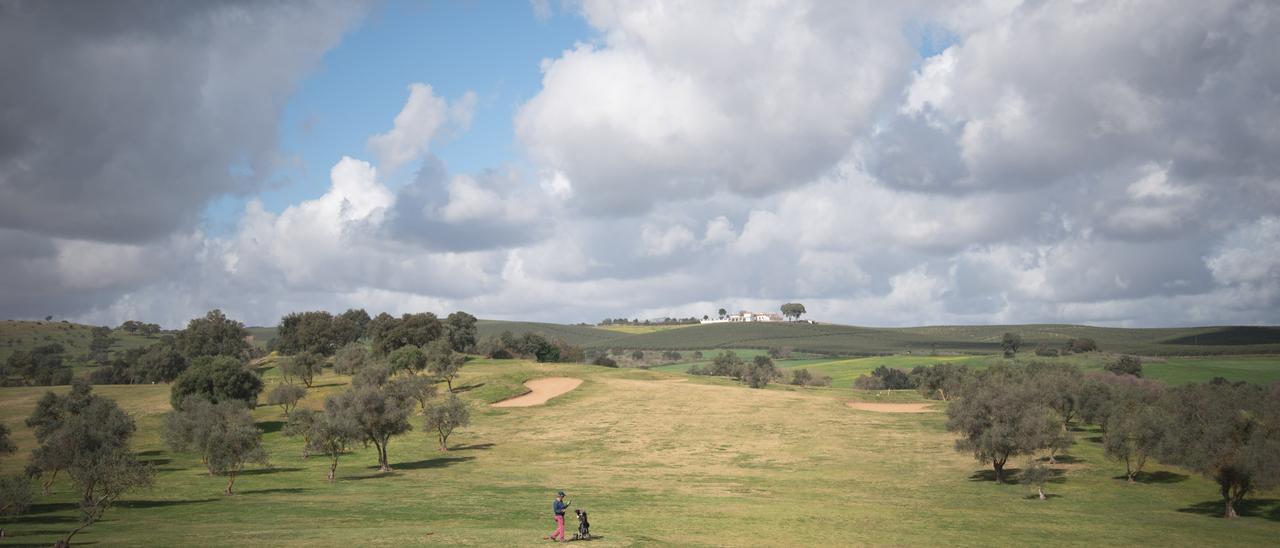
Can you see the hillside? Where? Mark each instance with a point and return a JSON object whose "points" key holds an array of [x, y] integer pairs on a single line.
{"points": [[854, 341], [572, 334], [26, 335]]}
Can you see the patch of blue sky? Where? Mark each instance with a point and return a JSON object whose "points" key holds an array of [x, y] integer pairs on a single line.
{"points": [[491, 48]]}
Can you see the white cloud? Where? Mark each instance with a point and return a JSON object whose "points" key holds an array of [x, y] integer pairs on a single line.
{"points": [[422, 119]]}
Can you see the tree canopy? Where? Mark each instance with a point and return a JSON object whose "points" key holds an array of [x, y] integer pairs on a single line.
{"points": [[217, 379], [213, 335]]}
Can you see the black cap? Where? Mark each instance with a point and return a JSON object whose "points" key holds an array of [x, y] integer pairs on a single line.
{"points": [[560, 494]]}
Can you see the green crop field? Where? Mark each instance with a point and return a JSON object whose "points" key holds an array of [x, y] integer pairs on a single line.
{"points": [[657, 458], [74, 337]]}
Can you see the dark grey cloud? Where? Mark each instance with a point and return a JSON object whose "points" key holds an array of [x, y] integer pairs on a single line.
{"points": [[119, 121]]}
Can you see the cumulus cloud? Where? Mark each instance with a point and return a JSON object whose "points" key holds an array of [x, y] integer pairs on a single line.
{"points": [[1084, 162], [423, 117]]}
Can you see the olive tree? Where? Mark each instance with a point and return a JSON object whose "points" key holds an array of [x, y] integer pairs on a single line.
{"points": [[445, 416], [1010, 343], [1227, 433], [443, 362], [87, 437], [999, 417], [15, 490], [330, 433], [377, 412], [1037, 474], [304, 365], [223, 434], [286, 396], [350, 359]]}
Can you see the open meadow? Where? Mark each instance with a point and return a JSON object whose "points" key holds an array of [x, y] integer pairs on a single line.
{"points": [[656, 458]]}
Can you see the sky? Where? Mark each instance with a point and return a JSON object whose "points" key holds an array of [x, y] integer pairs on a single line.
{"points": [[883, 163]]}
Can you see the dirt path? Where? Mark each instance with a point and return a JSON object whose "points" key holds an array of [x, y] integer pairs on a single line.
{"points": [[892, 407], [541, 390]]}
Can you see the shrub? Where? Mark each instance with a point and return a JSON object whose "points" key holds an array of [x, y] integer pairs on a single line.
{"points": [[216, 378], [1043, 349], [606, 361], [1126, 365]]}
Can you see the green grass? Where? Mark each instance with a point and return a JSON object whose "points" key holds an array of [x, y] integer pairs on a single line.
{"points": [[635, 329], [657, 459], [26, 335]]}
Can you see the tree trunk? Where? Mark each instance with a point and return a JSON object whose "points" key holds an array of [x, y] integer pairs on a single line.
{"points": [[1231, 510], [1040, 489], [443, 438], [999, 466], [383, 466], [449, 381], [231, 481], [333, 468]]}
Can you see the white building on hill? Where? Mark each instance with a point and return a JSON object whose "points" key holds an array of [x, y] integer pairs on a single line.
{"points": [[745, 316]]}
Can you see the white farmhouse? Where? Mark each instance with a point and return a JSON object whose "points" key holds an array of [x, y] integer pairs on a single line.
{"points": [[745, 316]]}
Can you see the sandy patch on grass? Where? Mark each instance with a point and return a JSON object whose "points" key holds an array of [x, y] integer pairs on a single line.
{"points": [[891, 407], [541, 390]]}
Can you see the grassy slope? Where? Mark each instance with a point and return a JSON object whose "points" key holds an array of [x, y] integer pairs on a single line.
{"points": [[637, 329], [25, 335], [656, 458], [851, 340], [573, 334]]}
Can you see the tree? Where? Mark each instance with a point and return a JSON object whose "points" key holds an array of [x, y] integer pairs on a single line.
{"points": [[411, 359], [885, 378], [213, 335], [1132, 436], [460, 329], [1229, 433], [1010, 343], [940, 380], [1059, 386], [222, 433], [1037, 474], [637, 355], [801, 377], [446, 416], [410, 329], [302, 422], [377, 413], [443, 362], [87, 436], [723, 313], [605, 361], [286, 396], [1000, 417], [1126, 365], [305, 365], [793, 310], [42, 366], [1075, 346], [313, 331], [759, 372], [15, 491], [216, 378], [414, 388], [332, 433], [350, 358], [160, 363]]}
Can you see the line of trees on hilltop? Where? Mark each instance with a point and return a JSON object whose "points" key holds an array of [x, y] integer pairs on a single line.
{"points": [[1227, 432]]}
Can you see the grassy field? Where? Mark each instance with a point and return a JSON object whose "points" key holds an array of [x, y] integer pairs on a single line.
{"points": [[846, 340], [573, 334], [657, 458], [74, 337]]}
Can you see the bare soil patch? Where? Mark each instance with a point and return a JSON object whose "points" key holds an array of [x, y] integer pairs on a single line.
{"points": [[541, 390], [892, 407]]}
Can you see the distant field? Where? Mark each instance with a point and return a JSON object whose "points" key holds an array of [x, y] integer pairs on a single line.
{"points": [[572, 334], [262, 336], [842, 340], [26, 335], [657, 459], [636, 329]]}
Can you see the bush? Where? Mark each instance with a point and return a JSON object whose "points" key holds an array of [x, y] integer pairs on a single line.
{"points": [[1081, 345], [1126, 365], [606, 361], [1043, 349], [885, 378], [801, 377]]}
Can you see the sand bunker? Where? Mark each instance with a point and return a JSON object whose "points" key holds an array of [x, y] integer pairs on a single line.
{"points": [[892, 407], [541, 390]]}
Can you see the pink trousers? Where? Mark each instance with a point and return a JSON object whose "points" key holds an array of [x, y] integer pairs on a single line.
{"points": [[559, 528]]}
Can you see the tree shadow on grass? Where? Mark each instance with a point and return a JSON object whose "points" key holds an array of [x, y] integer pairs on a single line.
{"points": [[1155, 477], [151, 453], [278, 490], [1094, 439], [377, 475], [270, 427], [328, 384], [1047, 496], [144, 504], [1247, 508], [474, 446], [265, 471], [1010, 475], [438, 462], [1064, 459], [467, 388]]}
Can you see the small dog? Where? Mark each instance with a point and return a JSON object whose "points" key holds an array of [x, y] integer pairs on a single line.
{"points": [[584, 526]]}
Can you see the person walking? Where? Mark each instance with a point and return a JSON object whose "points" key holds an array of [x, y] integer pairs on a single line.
{"points": [[559, 506]]}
